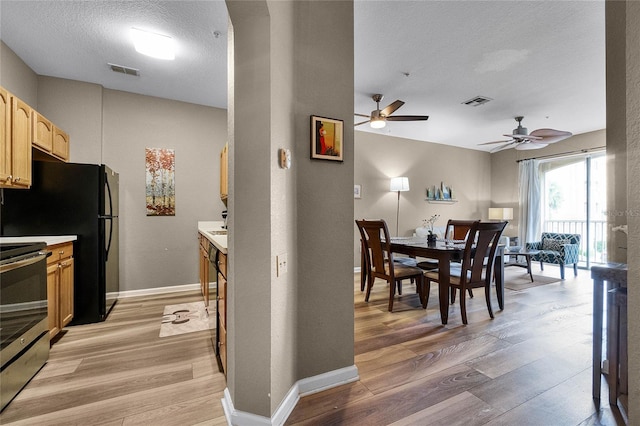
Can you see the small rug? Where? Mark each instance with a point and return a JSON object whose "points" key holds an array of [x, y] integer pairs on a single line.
{"points": [[187, 318], [522, 282]]}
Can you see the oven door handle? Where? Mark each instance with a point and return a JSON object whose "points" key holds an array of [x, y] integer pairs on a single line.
{"points": [[25, 262]]}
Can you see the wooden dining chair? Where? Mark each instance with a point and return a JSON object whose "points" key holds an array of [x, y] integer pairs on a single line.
{"points": [[477, 264], [379, 260]]}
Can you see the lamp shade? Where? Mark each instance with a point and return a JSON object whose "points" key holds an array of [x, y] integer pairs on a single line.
{"points": [[399, 184], [500, 213], [377, 123]]}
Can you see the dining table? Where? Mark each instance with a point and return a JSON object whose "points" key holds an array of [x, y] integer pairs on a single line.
{"points": [[445, 252]]}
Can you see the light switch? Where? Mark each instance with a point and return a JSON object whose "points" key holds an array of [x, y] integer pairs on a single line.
{"points": [[281, 264]]}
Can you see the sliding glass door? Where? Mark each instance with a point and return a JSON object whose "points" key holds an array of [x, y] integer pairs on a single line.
{"points": [[574, 201]]}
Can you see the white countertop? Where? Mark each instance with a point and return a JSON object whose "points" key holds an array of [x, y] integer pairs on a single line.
{"points": [[49, 239], [215, 233]]}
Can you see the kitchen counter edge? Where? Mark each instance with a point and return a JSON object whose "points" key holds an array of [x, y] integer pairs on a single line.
{"points": [[50, 240]]}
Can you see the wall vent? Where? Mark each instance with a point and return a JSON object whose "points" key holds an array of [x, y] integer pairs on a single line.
{"points": [[477, 101], [124, 70]]}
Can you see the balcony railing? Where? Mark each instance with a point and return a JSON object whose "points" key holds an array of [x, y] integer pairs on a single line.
{"points": [[597, 234]]}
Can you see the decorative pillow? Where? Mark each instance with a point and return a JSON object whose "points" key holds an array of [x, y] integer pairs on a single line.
{"points": [[554, 245]]}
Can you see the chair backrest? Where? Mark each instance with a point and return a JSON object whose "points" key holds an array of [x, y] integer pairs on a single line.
{"points": [[375, 236], [480, 250], [560, 238], [458, 229]]}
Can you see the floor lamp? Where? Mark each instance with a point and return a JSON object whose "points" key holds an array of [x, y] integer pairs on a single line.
{"points": [[398, 184]]}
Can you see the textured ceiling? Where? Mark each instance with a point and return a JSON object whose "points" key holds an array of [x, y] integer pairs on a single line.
{"points": [[541, 59]]}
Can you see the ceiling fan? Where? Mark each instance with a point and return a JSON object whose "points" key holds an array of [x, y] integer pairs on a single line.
{"points": [[378, 118], [521, 140]]}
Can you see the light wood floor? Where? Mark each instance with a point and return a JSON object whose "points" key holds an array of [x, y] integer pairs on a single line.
{"points": [[531, 365]]}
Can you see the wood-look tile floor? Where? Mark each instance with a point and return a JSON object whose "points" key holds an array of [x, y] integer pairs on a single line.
{"points": [[120, 372], [531, 365]]}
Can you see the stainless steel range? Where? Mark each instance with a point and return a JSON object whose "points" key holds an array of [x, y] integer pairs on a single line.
{"points": [[24, 333]]}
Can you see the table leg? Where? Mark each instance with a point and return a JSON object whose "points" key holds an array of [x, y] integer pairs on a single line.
{"points": [[443, 287], [612, 347], [597, 337], [528, 257], [498, 266]]}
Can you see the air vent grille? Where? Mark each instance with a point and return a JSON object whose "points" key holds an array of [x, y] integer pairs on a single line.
{"points": [[477, 101], [124, 70]]}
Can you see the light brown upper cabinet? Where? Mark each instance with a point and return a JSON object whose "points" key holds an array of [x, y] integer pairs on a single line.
{"points": [[15, 142], [42, 132], [60, 144], [49, 138]]}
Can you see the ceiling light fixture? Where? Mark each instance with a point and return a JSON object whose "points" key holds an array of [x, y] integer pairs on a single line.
{"points": [[152, 44], [378, 123]]}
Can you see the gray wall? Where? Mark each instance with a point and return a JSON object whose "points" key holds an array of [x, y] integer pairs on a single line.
{"points": [[282, 329], [160, 251], [381, 157], [623, 167], [17, 77]]}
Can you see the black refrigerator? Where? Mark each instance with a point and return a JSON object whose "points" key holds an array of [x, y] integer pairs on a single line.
{"points": [[73, 199]]}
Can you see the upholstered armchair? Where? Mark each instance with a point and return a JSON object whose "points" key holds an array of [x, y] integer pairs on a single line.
{"points": [[559, 249]]}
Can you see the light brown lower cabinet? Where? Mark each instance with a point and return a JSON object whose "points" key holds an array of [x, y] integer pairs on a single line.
{"points": [[60, 286], [222, 312]]}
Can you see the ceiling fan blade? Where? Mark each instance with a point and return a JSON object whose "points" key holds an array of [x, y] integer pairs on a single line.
{"points": [[407, 118], [551, 136], [524, 137], [362, 122], [506, 146], [389, 109], [489, 143], [361, 115]]}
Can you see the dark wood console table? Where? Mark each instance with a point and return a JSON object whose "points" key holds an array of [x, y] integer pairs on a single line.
{"points": [[606, 277]]}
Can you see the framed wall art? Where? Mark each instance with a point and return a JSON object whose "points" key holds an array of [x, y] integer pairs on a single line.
{"points": [[327, 138], [160, 182]]}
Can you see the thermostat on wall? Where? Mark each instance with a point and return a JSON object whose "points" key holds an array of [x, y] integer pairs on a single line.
{"points": [[285, 158]]}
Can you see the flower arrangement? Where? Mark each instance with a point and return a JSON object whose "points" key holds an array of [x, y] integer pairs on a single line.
{"points": [[430, 222]]}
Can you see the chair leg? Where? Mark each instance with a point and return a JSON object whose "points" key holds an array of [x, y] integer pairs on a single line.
{"points": [[370, 280], [575, 269], [541, 267], [470, 291], [399, 284], [392, 293], [562, 271], [487, 296], [463, 305]]}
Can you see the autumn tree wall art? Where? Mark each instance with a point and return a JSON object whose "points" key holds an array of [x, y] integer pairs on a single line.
{"points": [[160, 182]]}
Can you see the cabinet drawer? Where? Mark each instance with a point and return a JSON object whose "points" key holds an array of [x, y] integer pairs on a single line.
{"points": [[59, 252]]}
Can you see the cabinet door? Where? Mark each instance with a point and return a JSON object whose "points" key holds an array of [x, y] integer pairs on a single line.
{"points": [[52, 299], [66, 291], [5, 137], [21, 143], [60, 144], [42, 130]]}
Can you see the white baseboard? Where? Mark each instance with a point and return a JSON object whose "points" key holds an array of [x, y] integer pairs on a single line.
{"points": [[303, 387], [162, 290]]}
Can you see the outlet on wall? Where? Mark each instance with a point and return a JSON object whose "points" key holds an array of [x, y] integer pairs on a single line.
{"points": [[281, 264]]}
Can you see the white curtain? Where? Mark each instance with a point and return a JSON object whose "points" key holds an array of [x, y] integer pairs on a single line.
{"points": [[530, 198]]}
